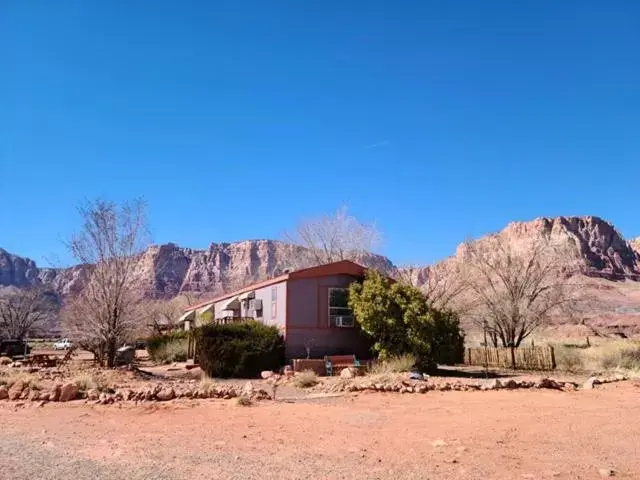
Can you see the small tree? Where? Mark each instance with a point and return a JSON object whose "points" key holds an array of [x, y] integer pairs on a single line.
{"points": [[331, 238], [106, 312], [398, 318], [516, 286], [162, 315], [23, 311]]}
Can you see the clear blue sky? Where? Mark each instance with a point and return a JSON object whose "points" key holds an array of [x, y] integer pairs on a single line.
{"points": [[438, 120]]}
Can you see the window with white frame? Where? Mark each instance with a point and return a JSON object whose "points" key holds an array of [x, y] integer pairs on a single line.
{"points": [[340, 315]]}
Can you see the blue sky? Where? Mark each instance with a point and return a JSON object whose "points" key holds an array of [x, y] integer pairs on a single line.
{"points": [[437, 120]]}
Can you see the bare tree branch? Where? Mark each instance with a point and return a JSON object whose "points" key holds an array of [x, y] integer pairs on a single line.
{"points": [[443, 284], [515, 286], [23, 312], [105, 313], [331, 238]]}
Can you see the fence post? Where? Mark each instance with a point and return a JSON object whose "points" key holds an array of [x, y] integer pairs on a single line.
{"points": [[553, 358]]}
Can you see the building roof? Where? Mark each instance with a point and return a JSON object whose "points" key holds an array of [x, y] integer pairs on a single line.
{"points": [[343, 267]]}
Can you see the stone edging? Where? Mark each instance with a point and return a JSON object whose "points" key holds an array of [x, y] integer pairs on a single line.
{"points": [[407, 386]]}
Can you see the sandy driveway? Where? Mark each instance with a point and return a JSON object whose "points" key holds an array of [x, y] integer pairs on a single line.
{"points": [[447, 435]]}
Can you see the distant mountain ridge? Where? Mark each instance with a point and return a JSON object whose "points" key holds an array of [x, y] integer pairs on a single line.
{"points": [[164, 271]]}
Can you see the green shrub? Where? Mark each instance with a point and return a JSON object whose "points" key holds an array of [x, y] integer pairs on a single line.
{"points": [[447, 339], [399, 319], [239, 350], [171, 347]]}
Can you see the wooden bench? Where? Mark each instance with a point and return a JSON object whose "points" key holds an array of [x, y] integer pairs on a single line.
{"points": [[335, 363]]}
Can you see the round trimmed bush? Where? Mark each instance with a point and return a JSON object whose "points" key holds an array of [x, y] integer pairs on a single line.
{"points": [[239, 350]]}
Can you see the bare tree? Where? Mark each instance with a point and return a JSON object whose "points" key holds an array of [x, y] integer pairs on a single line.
{"points": [[163, 314], [443, 283], [24, 311], [331, 238], [410, 274], [105, 313], [516, 287]]}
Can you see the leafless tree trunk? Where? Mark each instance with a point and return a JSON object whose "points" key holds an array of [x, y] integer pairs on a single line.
{"points": [[104, 314], [23, 311], [331, 238], [517, 286]]}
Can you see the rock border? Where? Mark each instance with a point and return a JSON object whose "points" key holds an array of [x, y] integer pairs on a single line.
{"points": [[407, 386], [66, 392], [158, 393]]}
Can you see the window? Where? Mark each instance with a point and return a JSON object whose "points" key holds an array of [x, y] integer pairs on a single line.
{"points": [[340, 314], [274, 302]]}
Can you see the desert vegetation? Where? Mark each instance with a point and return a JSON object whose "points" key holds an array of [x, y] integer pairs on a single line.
{"points": [[608, 355], [169, 347], [392, 365], [515, 287], [24, 311], [30, 380], [105, 314], [240, 350], [305, 379], [331, 238], [400, 321]]}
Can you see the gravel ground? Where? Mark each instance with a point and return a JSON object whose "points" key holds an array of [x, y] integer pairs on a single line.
{"points": [[25, 459], [440, 435]]}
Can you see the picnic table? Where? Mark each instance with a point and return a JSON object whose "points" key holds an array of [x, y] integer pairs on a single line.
{"points": [[46, 360], [41, 360]]}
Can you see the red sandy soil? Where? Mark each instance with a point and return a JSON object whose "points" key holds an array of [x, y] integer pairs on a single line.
{"points": [[536, 434]]}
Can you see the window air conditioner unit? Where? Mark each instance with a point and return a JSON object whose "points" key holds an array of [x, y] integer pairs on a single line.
{"points": [[257, 305], [344, 321]]}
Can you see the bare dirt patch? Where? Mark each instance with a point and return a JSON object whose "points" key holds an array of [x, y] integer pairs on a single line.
{"points": [[441, 435]]}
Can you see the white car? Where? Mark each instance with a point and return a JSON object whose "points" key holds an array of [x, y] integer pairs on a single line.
{"points": [[63, 344]]}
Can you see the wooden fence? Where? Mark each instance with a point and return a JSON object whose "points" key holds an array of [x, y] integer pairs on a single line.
{"points": [[528, 358]]}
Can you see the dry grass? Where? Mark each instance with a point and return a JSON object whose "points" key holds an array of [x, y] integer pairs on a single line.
{"points": [[400, 364], [31, 380], [305, 379], [207, 383], [175, 351], [86, 382], [244, 401], [5, 361], [569, 359], [606, 356], [619, 355]]}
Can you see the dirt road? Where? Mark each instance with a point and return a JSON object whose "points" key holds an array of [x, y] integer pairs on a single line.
{"points": [[448, 435]]}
